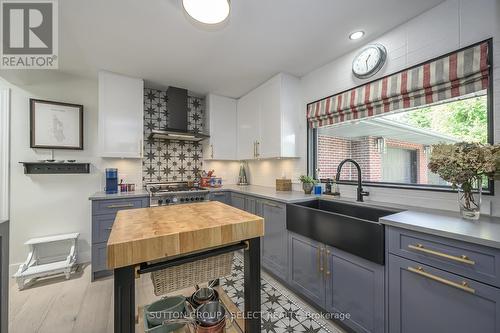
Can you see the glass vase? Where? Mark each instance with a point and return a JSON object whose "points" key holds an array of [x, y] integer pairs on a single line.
{"points": [[469, 199]]}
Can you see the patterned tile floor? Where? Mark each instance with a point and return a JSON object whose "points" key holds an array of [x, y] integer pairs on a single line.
{"points": [[282, 310]]}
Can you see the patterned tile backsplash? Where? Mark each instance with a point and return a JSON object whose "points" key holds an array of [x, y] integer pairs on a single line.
{"points": [[169, 160]]}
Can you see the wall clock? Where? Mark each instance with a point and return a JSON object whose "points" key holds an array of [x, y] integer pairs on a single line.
{"points": [[369, 61]]}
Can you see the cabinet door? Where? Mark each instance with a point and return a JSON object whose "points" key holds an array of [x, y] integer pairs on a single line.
{"points": [[427, 299], [222, 125], [355, 286], [275, 240], [120, 115], [238, 201], [248, 125], [306, 274], [270, 123], [251, 205]]}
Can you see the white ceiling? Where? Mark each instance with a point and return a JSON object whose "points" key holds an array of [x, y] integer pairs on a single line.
{"points": [[153, 40]]}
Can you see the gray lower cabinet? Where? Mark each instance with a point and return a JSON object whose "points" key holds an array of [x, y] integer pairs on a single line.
{"points": [[274, 244], [355, 289], [238, 201], [423, 298], [103, 216], [275, 240], [345, 285], [306, 274], [224, 197]]}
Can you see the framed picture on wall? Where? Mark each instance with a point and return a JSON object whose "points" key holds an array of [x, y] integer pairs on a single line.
{"points": [[56, 125]]}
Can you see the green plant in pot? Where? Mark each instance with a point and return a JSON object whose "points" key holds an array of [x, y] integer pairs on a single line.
{"points": [[465, 166], [307, 183]]}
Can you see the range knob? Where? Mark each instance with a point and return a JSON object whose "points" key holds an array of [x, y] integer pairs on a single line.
{"points": [[192, 199], [160, 202], [197, 199], [167, 201], [182, 199]]}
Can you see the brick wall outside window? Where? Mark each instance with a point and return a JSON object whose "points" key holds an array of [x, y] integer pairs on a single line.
{"points": [[332, 150]]}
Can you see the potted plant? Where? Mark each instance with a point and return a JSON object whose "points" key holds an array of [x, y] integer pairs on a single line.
{"points": [[465, 166], [307, 183]]}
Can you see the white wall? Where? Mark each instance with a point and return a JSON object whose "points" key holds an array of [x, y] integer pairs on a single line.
{"points": [[53, 204], [452, 25], [445, 28]]}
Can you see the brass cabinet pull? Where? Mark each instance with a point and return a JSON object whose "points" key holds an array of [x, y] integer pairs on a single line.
{"points": [[218, 194], [462, 286], [108, 229], [327, 257], [272, 205], [257, 149], [320, 261], [120, 206], [212, 151], [463, 259]]}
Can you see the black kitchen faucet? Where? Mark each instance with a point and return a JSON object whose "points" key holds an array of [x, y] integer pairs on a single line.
{"points": [[360, 192]]}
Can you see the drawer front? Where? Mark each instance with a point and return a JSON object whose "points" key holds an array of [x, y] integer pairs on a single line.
{"points": [[223, 197], [101, 227], [100, 207], [425, 299], [470, 260], [99, 257]]}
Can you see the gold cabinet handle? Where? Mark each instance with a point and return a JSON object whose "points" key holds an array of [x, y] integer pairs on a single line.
{"points": [[327, 257], [462, 259], [120, 206], [272, 205], [257, 149], [462, 286], [212, 146], [320, 261]]}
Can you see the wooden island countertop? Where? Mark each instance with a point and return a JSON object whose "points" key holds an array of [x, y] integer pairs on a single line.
{"points": [[148, 234]]}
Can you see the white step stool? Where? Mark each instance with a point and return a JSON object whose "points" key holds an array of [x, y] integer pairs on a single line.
{"points": [[36, 267]]}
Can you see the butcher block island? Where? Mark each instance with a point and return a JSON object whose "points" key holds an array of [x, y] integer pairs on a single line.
{"points": [[145, 240]]}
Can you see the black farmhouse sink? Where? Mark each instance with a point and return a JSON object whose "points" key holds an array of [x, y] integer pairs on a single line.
{"points": [[353, 228]]}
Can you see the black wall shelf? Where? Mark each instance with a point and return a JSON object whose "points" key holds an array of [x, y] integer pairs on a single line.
{"points": [[55, 167]]}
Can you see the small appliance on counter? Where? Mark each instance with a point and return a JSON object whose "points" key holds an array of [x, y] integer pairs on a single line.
{"points": [[111, 181], [242, 178]]}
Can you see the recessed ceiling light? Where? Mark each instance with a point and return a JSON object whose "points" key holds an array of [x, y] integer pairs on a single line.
{"points": [[207, 11], [356, 35]]}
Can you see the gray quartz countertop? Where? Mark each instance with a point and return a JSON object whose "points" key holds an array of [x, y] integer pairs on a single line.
{"points": [[267, 193], [120, 195], [485, 231]]}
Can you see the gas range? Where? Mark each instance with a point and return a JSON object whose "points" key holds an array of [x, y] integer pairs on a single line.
{"points": [[172, 193]]}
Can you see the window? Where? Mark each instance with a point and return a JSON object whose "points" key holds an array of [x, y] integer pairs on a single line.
{"points": [[393, 150]]}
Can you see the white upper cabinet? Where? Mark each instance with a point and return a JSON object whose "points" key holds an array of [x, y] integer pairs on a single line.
{"points": [[268, 119], [121, 109], [248, 125], [221, 125]]}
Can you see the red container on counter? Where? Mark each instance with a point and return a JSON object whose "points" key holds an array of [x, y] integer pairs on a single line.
{"points": [[205, 182]]}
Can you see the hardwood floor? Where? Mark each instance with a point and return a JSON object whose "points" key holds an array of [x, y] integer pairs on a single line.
{"points": [[57, 305], [62, 306]]}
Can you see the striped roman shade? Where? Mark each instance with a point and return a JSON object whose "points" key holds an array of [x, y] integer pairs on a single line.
{"points": [[457, 74]]}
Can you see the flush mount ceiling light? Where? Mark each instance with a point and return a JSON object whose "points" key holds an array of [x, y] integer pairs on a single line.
{"points": [[207, 11], [356, 35]]}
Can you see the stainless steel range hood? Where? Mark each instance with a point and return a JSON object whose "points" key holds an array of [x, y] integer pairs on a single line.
{"points": [[177, 119]]}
